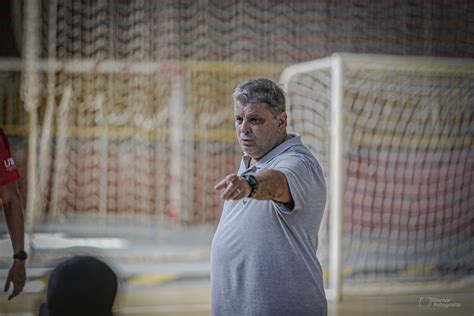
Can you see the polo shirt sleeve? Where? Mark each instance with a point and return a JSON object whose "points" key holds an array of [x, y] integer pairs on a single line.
{"points": [[8, 170], [305, 180]]}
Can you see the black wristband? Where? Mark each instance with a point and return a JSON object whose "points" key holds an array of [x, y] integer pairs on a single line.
{"points": [[252, 181], [21, 255]]}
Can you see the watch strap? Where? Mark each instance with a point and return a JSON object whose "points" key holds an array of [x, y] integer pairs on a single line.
{"points": [[20, 255], [253, 182]]}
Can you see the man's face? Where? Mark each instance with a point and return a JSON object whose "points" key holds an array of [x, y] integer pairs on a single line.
{"points": [[257, 130]]}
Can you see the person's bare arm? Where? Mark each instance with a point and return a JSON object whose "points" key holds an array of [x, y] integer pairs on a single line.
{"points": [[272, 185], [14, 217]]}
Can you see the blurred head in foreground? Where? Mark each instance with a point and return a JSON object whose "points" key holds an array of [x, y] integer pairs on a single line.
{"points": [[81, 285]]}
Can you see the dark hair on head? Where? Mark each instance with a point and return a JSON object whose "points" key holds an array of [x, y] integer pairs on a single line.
{"points": [[261, 90], [82, 285]]}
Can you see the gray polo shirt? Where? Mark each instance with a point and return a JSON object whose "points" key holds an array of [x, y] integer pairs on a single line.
{"points": [[263, 254]]}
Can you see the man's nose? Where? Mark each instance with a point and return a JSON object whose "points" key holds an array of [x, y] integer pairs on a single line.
{"points": [[245, 126]]}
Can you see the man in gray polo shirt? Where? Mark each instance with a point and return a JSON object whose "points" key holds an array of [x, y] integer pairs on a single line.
{"points": [[263, 254]]}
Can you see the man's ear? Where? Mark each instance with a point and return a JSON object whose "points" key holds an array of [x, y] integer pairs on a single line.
{"points": [[282, 118]]}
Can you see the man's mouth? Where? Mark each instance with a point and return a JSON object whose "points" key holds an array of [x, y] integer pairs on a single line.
{"points": [[245, 141]]}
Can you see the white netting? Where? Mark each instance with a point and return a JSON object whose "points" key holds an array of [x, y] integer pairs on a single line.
{"points": [[409, 163], [120, 137], [124, 128]]}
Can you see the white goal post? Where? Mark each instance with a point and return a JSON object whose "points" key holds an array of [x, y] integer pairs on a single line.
{"points": [[394, 133]]}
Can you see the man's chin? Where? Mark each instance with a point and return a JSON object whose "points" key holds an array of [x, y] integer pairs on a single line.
{"points": [[246, 151], [249, 151], [251, 154]]}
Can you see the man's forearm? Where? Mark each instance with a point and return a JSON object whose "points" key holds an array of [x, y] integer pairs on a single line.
{"points": [[272, 185], [14, 218]]}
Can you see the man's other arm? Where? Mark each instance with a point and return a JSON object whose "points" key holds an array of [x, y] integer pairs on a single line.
{"points": [[15, 222]]}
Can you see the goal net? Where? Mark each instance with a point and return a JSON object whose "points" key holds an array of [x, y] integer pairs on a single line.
{"points": [[132, 138], [123, 120], [395, 137]]}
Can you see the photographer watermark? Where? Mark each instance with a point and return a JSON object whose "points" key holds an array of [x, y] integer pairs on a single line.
{"points": [[439, 303]]}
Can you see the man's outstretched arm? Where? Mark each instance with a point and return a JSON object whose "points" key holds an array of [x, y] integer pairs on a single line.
{"points": [[272, 185]]}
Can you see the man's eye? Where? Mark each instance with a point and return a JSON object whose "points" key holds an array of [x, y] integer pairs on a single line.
{"points": [[238, 120], [255, 121]]}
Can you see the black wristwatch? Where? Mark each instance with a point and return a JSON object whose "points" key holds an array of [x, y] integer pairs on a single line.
{"points": [[21, 255], [252, 181]]}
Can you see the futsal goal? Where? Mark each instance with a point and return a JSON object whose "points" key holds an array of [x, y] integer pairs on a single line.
{"points": [[395, 137]]}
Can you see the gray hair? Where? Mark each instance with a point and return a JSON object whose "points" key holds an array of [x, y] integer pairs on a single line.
{"points": [[261, 90]]}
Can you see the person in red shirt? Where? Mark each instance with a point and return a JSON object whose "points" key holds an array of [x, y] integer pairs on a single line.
{"points": [[10, 201]]}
